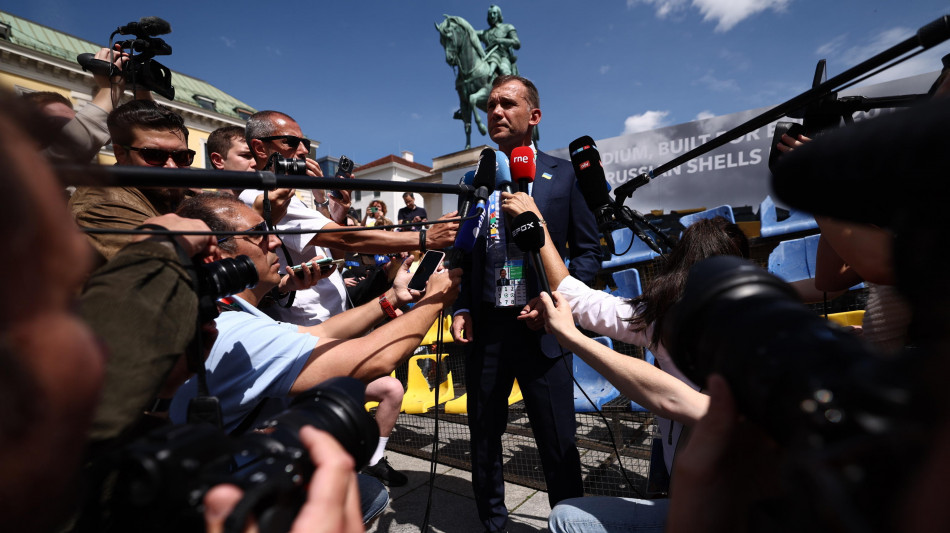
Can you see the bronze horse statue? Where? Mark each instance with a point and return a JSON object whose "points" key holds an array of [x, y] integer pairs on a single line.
{"points": [[474, 75]]}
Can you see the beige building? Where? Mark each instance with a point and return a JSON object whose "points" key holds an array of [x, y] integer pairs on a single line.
{"points": [[37, 58], [396, 169]]}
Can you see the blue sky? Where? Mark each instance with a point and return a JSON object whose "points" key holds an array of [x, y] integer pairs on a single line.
{"points": [[368, 79]]}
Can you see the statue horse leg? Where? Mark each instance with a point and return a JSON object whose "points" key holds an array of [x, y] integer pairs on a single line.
{"points": [[476, 101], [465, 115]]}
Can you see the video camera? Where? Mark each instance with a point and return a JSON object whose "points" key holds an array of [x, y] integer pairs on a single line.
{"points": [[141, 69], [162, 478]]}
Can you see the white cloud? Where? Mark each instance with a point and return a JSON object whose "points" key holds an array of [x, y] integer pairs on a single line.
{"points": [[228, 42], [604, 69], [415, 116], [726, 13], [705, 114], [647, 121]]}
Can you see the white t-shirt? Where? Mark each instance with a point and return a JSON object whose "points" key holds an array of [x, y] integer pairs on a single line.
{"points": [[325, 299]]}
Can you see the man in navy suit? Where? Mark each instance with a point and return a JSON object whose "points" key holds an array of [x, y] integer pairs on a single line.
{"points": [[503, 348]]}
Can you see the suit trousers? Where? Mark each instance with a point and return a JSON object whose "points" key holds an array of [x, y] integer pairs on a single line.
{"points": [[505, 349]]}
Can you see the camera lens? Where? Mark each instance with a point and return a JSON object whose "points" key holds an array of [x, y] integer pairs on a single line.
{"points": [[227, 276]]}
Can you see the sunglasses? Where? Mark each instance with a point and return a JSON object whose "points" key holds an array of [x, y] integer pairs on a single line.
{"points": [[253, 239], [292, 141], [157, 156]]}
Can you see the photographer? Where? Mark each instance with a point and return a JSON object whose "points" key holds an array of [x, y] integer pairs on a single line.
{"points": [[256, 363], [376, 214]]}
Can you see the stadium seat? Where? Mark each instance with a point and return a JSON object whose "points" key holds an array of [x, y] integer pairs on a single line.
{"points": [[772, 226], [724, 211], [638, 250], [628, 283], [432, 335], [420, 396], [596, 386], [459, 406]]}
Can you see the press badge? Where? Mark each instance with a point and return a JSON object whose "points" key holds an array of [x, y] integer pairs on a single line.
{"points": [[510, 288]]}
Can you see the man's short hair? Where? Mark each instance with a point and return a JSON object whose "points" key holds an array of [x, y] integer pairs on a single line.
{"points": [[144, 114], [408, 195], [261, 124], [41, 99], [216, 209], [533, 99], [219, 142]]}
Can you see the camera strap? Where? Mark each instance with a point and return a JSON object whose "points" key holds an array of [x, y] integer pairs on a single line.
{"points": [[271, 226]]}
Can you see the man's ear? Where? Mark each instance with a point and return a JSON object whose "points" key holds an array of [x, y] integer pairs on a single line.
{"points": [[217, 161], [216, 255], [535, 117], [121, 154], [258, 150]]}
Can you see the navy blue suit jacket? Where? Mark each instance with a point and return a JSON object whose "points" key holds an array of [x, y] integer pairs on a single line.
{"points": [[569, 222]]}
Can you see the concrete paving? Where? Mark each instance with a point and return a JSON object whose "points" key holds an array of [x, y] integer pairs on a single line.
{"points": [[453, 502]]}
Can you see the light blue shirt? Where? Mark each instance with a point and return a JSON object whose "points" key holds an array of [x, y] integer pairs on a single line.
{"points": [[254, 358]]}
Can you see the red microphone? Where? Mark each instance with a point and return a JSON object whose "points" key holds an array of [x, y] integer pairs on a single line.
{"points": [[522, 167]]}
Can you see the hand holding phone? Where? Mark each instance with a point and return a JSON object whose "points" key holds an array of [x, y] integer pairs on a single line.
{"points": [[430, 262]]}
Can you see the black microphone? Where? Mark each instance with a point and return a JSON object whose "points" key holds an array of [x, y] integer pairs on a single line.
{"points": [[146, 26], [591, 181], [528, 235], [484, 182]]}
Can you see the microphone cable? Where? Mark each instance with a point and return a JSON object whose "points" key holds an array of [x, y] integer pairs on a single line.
{"points": [[434, 460]]}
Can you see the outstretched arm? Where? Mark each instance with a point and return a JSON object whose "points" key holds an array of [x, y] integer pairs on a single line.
{"points": [[638, 380]]}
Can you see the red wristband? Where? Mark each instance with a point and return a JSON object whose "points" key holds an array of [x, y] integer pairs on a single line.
{"points": [[387, 307]]}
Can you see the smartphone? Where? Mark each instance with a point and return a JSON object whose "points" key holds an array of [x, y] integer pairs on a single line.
{"points": [[324, 265], [430, 262]]}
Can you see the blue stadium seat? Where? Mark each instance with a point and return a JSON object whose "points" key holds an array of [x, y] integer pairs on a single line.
{"points": [[596, 386], [637, 253], [724, 211], [794, 260], [771, 226], [628, 283]]}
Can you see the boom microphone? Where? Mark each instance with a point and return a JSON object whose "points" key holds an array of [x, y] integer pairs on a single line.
{"points": [[149, 26], [502, 173], [528, 235], [523, 167]]}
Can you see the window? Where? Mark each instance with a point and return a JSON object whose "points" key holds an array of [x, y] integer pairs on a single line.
{"points": [[359, 195], [243, 113], [377, 194], [4, 31], [205, 103]]}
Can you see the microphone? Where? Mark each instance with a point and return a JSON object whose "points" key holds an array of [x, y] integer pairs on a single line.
{"points": [[591, 180], [589, 170], [483, 180], [502, 173], [523, 167], [149, 26], [528, 235], [465, 200]]}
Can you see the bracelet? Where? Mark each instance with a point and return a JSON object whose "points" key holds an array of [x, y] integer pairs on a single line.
{"points": [[422, 240], [387, 307]]}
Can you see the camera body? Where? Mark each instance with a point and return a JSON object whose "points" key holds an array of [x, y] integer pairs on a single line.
{"points": [[162, 478], [344, 170], [141, 69]]}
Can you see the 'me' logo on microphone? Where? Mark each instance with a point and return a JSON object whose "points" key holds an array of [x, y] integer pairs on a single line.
{"points": [[520, 159], [515, 232]]}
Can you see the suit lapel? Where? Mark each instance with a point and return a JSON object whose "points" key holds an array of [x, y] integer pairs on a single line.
{"points": [[541, 189]]}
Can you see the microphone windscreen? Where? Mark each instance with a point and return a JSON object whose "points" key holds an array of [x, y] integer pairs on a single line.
{"points": [[527, 232], [466, 199], [522, 163], [502, 172], [589, 172], [154, 26], [485, 171], [468, 231]]}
